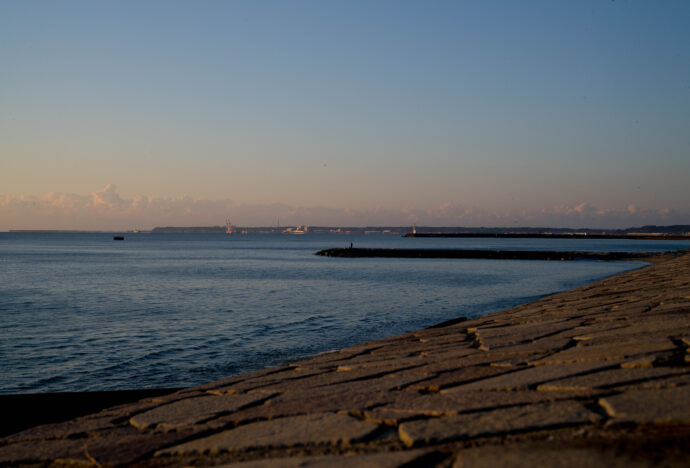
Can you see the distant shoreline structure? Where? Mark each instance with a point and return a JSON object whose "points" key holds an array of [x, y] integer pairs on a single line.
{"points": [[494, 254], [653, 232], [548, 235]]}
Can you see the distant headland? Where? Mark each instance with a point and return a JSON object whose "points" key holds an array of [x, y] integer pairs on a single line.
{"points": [[678, 231]]}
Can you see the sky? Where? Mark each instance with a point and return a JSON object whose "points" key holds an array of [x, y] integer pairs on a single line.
{"points": [[124, 114]]}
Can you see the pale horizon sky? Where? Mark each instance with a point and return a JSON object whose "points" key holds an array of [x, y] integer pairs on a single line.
{"points": [[125, 114]]}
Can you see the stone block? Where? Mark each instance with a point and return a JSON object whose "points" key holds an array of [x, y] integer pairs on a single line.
{"points": [[679, 380], [554, 457], [34, 451], [320, 428], [612, 378], [126, 445], [295, 374], [662, 406], [608, 352], [444, 404], [530, 377], [185, 413], [386, 364], [456, 352], [376, 460], [501, 358], [386, 416], [76, 428], [456, 377], [334, 379], [501, 421], [303, 402], [522, 333], [120, 446]]}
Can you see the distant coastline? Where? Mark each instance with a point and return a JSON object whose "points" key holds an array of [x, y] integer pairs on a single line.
{"points": [[674, 232]]}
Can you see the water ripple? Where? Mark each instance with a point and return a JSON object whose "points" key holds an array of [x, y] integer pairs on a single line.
{"points": [[79, 313]]}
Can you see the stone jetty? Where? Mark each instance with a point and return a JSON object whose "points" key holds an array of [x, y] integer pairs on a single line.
{"points": [[485, 254], [596, 376]]}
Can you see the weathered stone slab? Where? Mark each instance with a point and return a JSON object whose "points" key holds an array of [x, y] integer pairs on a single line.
{"points": [[80, 427], [555, 457], [635, 328], [413, 348], [386, 416], [124, 410], [303, 402], [441, 336], [668, 382], [387, 382], [670, 405], [184, 413], [282, 379], [170, 397], [495, 358], [259, 374], [320, 428], [608, 352], [274, 382], [522, 333], [387, 364], [457, 377], [117, 447], [629, 339], [640, 362], [500, 421], [444, 404], [334, 378], [126, 445], [673, 305], [543, 347], [455, 352], [613, 378], [25, 452], [376, 460], [530, 377]]}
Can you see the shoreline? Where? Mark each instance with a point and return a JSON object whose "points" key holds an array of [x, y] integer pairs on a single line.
{"points": [[56, 407], [598, 368]]}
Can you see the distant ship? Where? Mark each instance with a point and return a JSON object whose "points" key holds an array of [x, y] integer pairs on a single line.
{"points": [[229, 228], [298, 230]]}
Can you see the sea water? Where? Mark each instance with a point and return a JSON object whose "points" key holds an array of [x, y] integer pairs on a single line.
{"points": [[84, 312]]}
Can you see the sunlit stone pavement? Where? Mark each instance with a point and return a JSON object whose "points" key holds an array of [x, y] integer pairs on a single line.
{"points": [[596, 376]]}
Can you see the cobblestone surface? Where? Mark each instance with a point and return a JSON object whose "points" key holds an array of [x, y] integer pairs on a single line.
{"points": [[596, 376]]}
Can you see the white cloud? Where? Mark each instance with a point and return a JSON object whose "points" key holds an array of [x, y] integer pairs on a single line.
{"points": [[106, 209], [108, 197]]}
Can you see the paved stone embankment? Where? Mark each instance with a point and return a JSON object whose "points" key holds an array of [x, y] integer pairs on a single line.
{"points": [[596, 376]]}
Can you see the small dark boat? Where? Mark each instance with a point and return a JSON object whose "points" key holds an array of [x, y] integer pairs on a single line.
{"points": [[118, 237]]}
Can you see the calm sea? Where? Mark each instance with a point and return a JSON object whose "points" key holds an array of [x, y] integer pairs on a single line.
{"points": [[83, 312]]}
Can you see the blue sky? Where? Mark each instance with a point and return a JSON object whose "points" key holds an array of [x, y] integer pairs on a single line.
{"points": [[457, 113]]}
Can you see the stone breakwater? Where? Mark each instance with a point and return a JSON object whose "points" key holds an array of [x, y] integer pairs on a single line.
{"points": [[596, 376], [485, 254]]}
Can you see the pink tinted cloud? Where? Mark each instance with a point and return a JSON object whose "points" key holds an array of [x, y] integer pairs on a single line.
{"points": [[106, 209]]}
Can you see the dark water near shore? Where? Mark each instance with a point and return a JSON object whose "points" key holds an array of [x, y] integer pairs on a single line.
{"points": [[82, 312]]}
